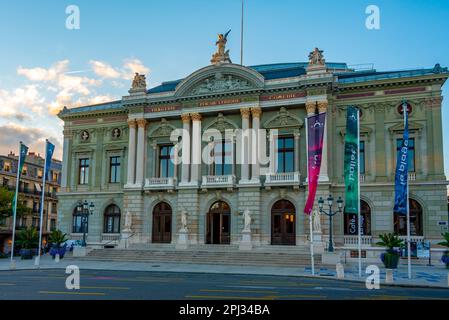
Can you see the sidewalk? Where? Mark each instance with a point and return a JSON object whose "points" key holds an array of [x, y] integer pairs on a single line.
{"points": [[422, 276]]}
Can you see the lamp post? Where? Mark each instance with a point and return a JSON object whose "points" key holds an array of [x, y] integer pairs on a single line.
{"points": [[330, 214], [84, 210]]}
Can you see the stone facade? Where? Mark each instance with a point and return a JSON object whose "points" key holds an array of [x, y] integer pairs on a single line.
{"points": [[226, 96]]}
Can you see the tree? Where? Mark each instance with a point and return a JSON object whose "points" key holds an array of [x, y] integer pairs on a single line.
{"points": [[6, 199]]}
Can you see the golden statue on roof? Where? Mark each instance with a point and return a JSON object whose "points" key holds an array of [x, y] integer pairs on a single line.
{"points": [[222, 55], [316, 58]]}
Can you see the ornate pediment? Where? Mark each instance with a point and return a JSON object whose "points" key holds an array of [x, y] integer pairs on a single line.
{"points": [[221, 83], [163, 129], [283, 119], [412, 126], [221, 123], [364, 131]]}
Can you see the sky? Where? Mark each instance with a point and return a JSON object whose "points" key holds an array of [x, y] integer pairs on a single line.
{"points": [[45, 66]]}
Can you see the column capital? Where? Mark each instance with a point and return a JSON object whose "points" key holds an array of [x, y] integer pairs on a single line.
{"points": [[256, 112], [310, 107], [245, 112], [141, 123], [296, 134], [322, 106], [185, 118], [195, 116], [132, 123]]}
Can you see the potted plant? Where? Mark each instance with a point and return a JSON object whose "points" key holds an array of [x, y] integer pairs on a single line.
{"points": [[445, 257], [57, 241], [390, 258], [28, 240]]}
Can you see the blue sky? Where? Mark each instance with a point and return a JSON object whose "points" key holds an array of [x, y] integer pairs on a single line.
{"points": [[43, 65]]}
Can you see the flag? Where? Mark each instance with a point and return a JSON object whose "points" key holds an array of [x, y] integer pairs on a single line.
{"points": [[315, 134], [21, 162], [351, 162], [401, 178], [49, 149]]}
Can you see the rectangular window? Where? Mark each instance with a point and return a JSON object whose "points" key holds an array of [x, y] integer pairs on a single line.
{"points": [[166, 166], [362, 157], [52, 224], [411, 152], [7, 166], [54, 207], [222, 158], [114, 169], [5, 182], [285, 155], [83, 171], [35, 222], [24, 170]]}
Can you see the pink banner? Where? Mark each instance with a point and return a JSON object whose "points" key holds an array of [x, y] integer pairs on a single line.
{"points": [[315, 132]]}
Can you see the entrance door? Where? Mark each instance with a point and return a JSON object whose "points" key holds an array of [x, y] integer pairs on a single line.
{"points": [[283, 224], [218, 224], [162, 214]]}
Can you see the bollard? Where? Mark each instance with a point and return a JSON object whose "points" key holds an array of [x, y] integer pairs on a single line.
{"points": [[57, 258], [340, 271], [12, 266], [389, 277], [37, 261]]}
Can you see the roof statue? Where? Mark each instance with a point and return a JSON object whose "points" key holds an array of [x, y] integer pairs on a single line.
{"points": [[139, 83], [316, 58], [222, 55]]}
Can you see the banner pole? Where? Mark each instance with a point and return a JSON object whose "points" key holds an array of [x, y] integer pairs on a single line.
{"points": [[37, 262], [359, 223], [15, 205], [409, 257], [312, 259]]}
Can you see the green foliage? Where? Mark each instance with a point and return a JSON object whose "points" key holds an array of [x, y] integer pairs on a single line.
{"points": [[6, 199], [446, 238], [28, 238], [390, 241], [57, 237]]}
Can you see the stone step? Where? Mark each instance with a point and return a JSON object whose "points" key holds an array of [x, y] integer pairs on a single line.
{"points": [[203, 257]]}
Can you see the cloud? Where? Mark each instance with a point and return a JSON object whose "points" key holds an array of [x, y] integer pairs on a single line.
{"points": [[34, 138], [20, 102], [104, 70], [131, 66], [41, 74]]}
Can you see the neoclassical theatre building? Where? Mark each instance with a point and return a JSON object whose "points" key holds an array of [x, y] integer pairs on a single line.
{"points": [[118, 155]]}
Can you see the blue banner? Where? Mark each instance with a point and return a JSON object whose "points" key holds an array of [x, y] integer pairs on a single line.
{"points": [[49, 149], [401, 178]]}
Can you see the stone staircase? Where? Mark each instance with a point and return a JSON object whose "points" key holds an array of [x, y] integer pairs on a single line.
{"points": [[209, 254]]}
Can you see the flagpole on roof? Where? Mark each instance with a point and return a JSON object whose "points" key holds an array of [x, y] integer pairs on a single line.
{"points": [[241, 35]]}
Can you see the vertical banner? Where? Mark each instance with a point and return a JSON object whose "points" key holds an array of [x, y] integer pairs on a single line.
{"points": [[315, 134], [21, 161], [401, 178], [351, 163], [49, 149]]}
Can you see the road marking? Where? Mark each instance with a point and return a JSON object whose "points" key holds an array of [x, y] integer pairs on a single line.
{"points": [[107, 288], [249, 287], [74, 293], [307, 296], [241, 291], [228, 297], [288, 284], [7, 284]]}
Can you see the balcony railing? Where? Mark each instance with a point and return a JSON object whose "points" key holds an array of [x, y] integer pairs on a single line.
{"points": [[362, 178], [218, 181], [352, 241], [412, 238], [160, 183], [411, 176], [283, 178], [110, 237]]}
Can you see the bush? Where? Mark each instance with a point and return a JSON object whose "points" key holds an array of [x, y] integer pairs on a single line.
{"points": [[57, 237], [28, 238]]}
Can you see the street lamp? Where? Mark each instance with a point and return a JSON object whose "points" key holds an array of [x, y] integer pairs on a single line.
{"points": [[330, 214], [84, 210]]}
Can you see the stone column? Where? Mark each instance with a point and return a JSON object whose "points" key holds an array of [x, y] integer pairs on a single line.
{"points": [[255, 140], [196, 148], [155, 159], [131, 153], [244, 151], [185, 175], [140, 161], [65, 160], [324, 176], [296, 153]]}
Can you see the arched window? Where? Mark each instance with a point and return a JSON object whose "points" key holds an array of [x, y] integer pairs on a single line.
{"points": [[351, 221], [77, 222], [283, 223], [400, 220], [112, 219], [218, 223], [162, 220]]}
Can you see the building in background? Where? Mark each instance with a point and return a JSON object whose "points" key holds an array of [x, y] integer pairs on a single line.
{"points": [[30, 190], [117, 155]]}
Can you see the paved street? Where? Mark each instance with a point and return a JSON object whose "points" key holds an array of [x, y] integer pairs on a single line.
{"points": [[99, 284]]}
